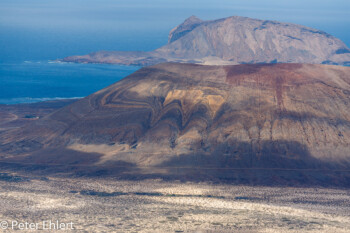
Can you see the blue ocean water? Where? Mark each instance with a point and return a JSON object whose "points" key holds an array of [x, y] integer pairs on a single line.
{"points": [[32, 34], [33, 81]]}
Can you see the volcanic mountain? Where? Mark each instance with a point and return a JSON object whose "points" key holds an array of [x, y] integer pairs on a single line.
{"points": [[271, 123], [234, 40]]}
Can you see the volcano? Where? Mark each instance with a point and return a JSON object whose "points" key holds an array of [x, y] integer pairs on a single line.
{"points": [[262, 123]]}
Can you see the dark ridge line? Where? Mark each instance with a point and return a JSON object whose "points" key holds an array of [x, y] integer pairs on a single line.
{"points": [[199, 168], [154, 194]]}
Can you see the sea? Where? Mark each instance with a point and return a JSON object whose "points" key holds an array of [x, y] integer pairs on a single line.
{"points": [[35, 81], [34, 35], [30, 72]]}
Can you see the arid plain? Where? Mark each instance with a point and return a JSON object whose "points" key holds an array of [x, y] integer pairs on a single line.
{"points": [[154, 205]]}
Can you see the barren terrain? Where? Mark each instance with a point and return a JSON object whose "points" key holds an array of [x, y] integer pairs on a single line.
{"points": [[248, 124], [106, 205], [18, 115]]}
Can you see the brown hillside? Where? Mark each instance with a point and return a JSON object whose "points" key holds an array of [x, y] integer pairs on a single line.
{"points": [[262, 119]]}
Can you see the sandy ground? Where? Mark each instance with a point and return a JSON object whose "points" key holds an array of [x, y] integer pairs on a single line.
{"points": [[95, 205], [17, 115]]}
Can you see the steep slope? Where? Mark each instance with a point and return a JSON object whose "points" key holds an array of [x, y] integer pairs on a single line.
{"points": [[286, 122], [187, 26], [235, 40]]}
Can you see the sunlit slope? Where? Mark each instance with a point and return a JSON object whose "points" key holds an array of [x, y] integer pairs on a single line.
{"points": [[278, 116]]}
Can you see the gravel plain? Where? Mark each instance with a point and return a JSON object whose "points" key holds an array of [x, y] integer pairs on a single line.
{"points": [[108, 205]]}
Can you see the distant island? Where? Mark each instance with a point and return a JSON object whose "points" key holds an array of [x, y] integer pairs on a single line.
{"points": [[233, 40]]}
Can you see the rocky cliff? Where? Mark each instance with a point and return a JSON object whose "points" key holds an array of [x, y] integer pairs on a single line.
{"points": [[235, 40]]}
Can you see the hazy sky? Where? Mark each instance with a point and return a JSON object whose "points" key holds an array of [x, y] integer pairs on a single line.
{"points": [[71, 26]]}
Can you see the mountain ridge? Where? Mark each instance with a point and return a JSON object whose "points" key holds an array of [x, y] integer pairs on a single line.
{"points": [[272, 123], [234, 40]]}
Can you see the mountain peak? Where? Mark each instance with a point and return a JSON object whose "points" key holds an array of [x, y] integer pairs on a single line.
{"points": [[192, 19], [235, 40], [242, 40], [188, 25]]}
